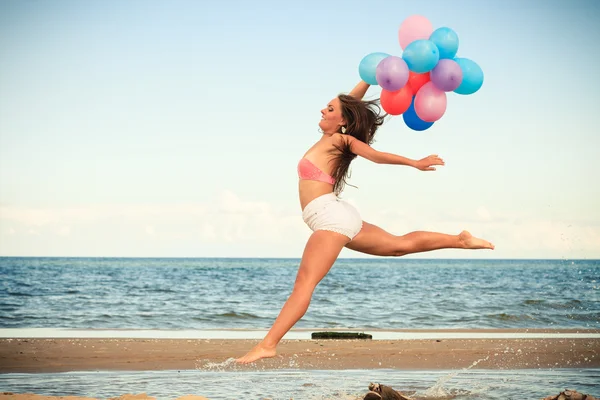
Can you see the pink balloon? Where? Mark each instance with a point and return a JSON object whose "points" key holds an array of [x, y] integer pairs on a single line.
{"points": [[430, 102], [414, 28]]}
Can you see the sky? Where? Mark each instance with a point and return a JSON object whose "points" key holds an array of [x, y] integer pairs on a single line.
{"points": [[173, 128]]}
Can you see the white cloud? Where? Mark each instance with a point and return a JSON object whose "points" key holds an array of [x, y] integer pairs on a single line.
{"points": [[64, 231], [231, 204], [208, 232], [228, 225], [92, 213], [220, 227], [483, 213], [515, 235], [28, 216]]}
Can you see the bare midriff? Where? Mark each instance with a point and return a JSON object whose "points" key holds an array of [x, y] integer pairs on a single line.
{"points": [[310, 190]]}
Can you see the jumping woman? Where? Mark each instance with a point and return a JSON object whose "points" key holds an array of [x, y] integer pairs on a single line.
{"points": [[348, 126]]}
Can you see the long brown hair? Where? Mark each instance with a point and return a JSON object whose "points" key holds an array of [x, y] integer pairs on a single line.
{"points": [[362, 120]]}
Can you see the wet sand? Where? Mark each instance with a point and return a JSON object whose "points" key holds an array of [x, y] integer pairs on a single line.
{"points": [[141, 396], [61, 355]]}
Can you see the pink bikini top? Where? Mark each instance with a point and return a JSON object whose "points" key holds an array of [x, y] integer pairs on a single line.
{"points": [[308, 170]]}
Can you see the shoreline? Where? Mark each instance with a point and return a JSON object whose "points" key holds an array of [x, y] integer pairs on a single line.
{"points": [[295, 334], [50, 355]]}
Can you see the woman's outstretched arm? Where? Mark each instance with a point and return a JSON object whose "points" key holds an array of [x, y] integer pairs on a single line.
{"points": [[364, 150], [360, 90]]}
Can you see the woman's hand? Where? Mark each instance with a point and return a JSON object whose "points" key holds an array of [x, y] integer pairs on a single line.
{"points": [[427, 163]]}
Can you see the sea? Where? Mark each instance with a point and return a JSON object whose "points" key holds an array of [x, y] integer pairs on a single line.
{"points": [[170, 295]]}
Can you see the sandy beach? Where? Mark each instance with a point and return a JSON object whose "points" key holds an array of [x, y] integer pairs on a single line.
{"points": [[47, 355], [60, 355]]}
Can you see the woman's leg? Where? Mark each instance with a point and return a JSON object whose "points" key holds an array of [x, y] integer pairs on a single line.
{"points": [[374, 240], [321, 251]]}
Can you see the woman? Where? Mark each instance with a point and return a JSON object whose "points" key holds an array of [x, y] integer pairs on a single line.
{"points": [[348, 126]]}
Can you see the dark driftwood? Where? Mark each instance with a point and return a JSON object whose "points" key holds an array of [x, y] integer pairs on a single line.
{"points": [[378, 391], [571, 395], [382, 392], [340, 335]]}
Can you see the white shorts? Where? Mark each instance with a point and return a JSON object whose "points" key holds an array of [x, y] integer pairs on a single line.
{"points": [[329, 213]]}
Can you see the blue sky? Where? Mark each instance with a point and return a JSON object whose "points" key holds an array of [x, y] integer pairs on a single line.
{"points": [[155, 128]]}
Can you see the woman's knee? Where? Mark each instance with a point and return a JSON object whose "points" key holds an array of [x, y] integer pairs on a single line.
{"points": [[305, 282], [401, 246], [396, 246]]}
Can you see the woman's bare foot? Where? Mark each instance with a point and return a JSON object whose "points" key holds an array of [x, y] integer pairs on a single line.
{"points": [[259, 351], [471, 242]]}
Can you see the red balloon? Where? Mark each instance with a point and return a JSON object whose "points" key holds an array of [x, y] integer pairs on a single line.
{"points": [[395, 103], [416, 81]]}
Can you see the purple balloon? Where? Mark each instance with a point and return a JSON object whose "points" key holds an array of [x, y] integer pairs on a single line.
{"points": [[446, 75], [392, 73]]}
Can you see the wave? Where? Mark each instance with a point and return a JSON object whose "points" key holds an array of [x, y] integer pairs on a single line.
{"points": [[557, 305], [510, 317], [236, 315], [23, 294], [534, 301]]}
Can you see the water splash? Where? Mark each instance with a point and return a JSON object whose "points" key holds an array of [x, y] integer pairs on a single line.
{"points": [[226, 365], [437, 391]]}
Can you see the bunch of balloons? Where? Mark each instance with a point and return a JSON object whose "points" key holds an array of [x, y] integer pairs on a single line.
{"points": [[415, 85]]}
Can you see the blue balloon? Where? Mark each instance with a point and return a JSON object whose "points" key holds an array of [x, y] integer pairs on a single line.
{"points": [[412, 120], [472, 76], [421, 56], [367, 68], [446, 41]]}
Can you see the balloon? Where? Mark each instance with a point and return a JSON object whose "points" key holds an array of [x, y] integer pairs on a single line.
{"points": [[395, 103], [415, 81], [472, 76], [368, 67], [430, 103], [421, 56], [414, 28], [392, 73], [447, 75], [446, 41], [412, 120]]}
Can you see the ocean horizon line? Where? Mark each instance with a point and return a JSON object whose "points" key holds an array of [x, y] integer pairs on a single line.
{"points": [[373, 258]]}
